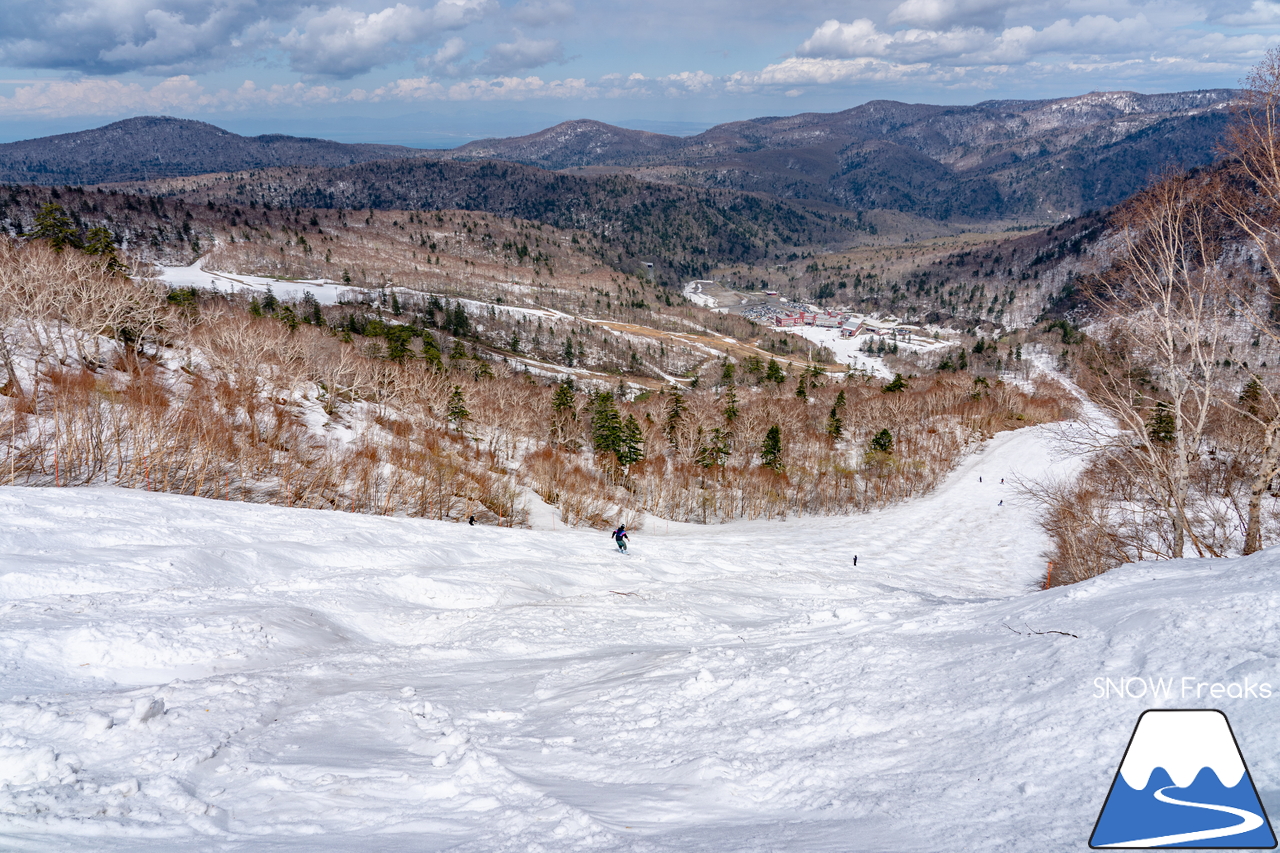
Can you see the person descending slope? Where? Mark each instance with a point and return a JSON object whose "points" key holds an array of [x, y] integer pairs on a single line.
{"points": [[620, 536]]}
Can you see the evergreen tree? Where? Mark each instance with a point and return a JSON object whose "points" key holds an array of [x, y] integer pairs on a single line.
{"points": [[962, 363], [515, 342], [564, 410], [675, 414], [289, 318], [431, 350], [1162, 428], [631, 444], [458, 407], [881, 442], [53, 224], [727, 372], [568, 351], [730, 405], [399, 339], [395, 304], [712, 453], [771, 449], [606, 424], [801, 391], [840, 401], [774, 372], [1251, 395], [835, 423], [99, 242], [459, 351], [897, 385], [269, 302]]}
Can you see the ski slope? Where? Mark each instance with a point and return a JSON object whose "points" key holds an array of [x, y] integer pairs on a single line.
{"points": [[177, 673]]}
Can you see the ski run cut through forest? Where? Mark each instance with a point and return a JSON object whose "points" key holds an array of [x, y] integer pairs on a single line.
{"points": [[183, 673]]}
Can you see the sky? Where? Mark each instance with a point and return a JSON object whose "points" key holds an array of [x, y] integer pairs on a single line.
{"points": [[437, 73]]}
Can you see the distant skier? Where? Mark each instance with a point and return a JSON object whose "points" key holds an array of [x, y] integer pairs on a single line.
{"points": [[472, 521], [620, 536], [855, 559]]}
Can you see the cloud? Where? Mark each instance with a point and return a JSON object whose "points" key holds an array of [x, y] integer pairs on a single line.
{"points": [[1088, 36], [342, 43], [519, 55], [171, 36], [157, 36], [542, 13], [946, 13], [182, 95], [1262, 13]]}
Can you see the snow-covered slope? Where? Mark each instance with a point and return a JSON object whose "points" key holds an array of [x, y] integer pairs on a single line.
{"points": [[186, 674]]}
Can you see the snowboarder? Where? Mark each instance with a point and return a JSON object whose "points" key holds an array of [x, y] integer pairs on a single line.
{"points": [[472, 521], [620, 536]]}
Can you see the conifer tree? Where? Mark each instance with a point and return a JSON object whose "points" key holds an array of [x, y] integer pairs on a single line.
{"points": [[730, 405], [568, 351], [771, 449], [99, 242], [835, 423], [631, 444], [1162, 428], [458, 407], [606, 424], [675, 414], [897, 385], [774, 372], [53, 224], [881, 442]]}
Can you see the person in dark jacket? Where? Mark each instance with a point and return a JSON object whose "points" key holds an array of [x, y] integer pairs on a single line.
{"points": [[620, 536]]}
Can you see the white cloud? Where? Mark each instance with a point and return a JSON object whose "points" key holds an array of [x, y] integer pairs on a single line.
{"points": [[342, 42], [519, 55], [1087, 36], [156, 36], [944, 13], [542, 13], [1262, 13]]}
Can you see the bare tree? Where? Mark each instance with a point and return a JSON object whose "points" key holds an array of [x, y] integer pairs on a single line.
{"points": [[1163, 314]]}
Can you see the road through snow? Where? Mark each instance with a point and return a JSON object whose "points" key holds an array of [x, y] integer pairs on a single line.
{"points": [[182, 673]]}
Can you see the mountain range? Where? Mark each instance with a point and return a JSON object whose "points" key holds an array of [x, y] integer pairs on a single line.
{"points": [[1009, 161]]}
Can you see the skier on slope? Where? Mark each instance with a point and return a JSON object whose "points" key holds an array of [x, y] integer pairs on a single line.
{"points": [[620, 536]]}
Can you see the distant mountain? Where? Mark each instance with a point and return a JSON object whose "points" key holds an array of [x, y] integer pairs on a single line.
{"points": [[1036, 160], [1012, 161], [161, 147]]}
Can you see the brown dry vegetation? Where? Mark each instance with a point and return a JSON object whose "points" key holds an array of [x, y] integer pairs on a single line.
{"points": [[109, 381]]}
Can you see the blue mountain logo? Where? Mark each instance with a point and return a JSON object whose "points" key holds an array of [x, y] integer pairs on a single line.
{"points": [[1183, 783]]}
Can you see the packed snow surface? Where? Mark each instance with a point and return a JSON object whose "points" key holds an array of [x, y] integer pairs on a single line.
{"points": [[195, 275], [178, 673]]}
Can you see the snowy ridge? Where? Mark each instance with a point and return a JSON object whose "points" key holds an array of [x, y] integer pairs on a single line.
{"points": [[1183, 744]]}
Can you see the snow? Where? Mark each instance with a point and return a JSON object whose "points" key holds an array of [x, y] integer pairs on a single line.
{"points": [[693, 292], [177, 673], [195, 275], [846, 349]]}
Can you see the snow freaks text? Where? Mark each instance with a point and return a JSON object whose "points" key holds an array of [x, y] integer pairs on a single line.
{"points": [[1186, 687]]}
